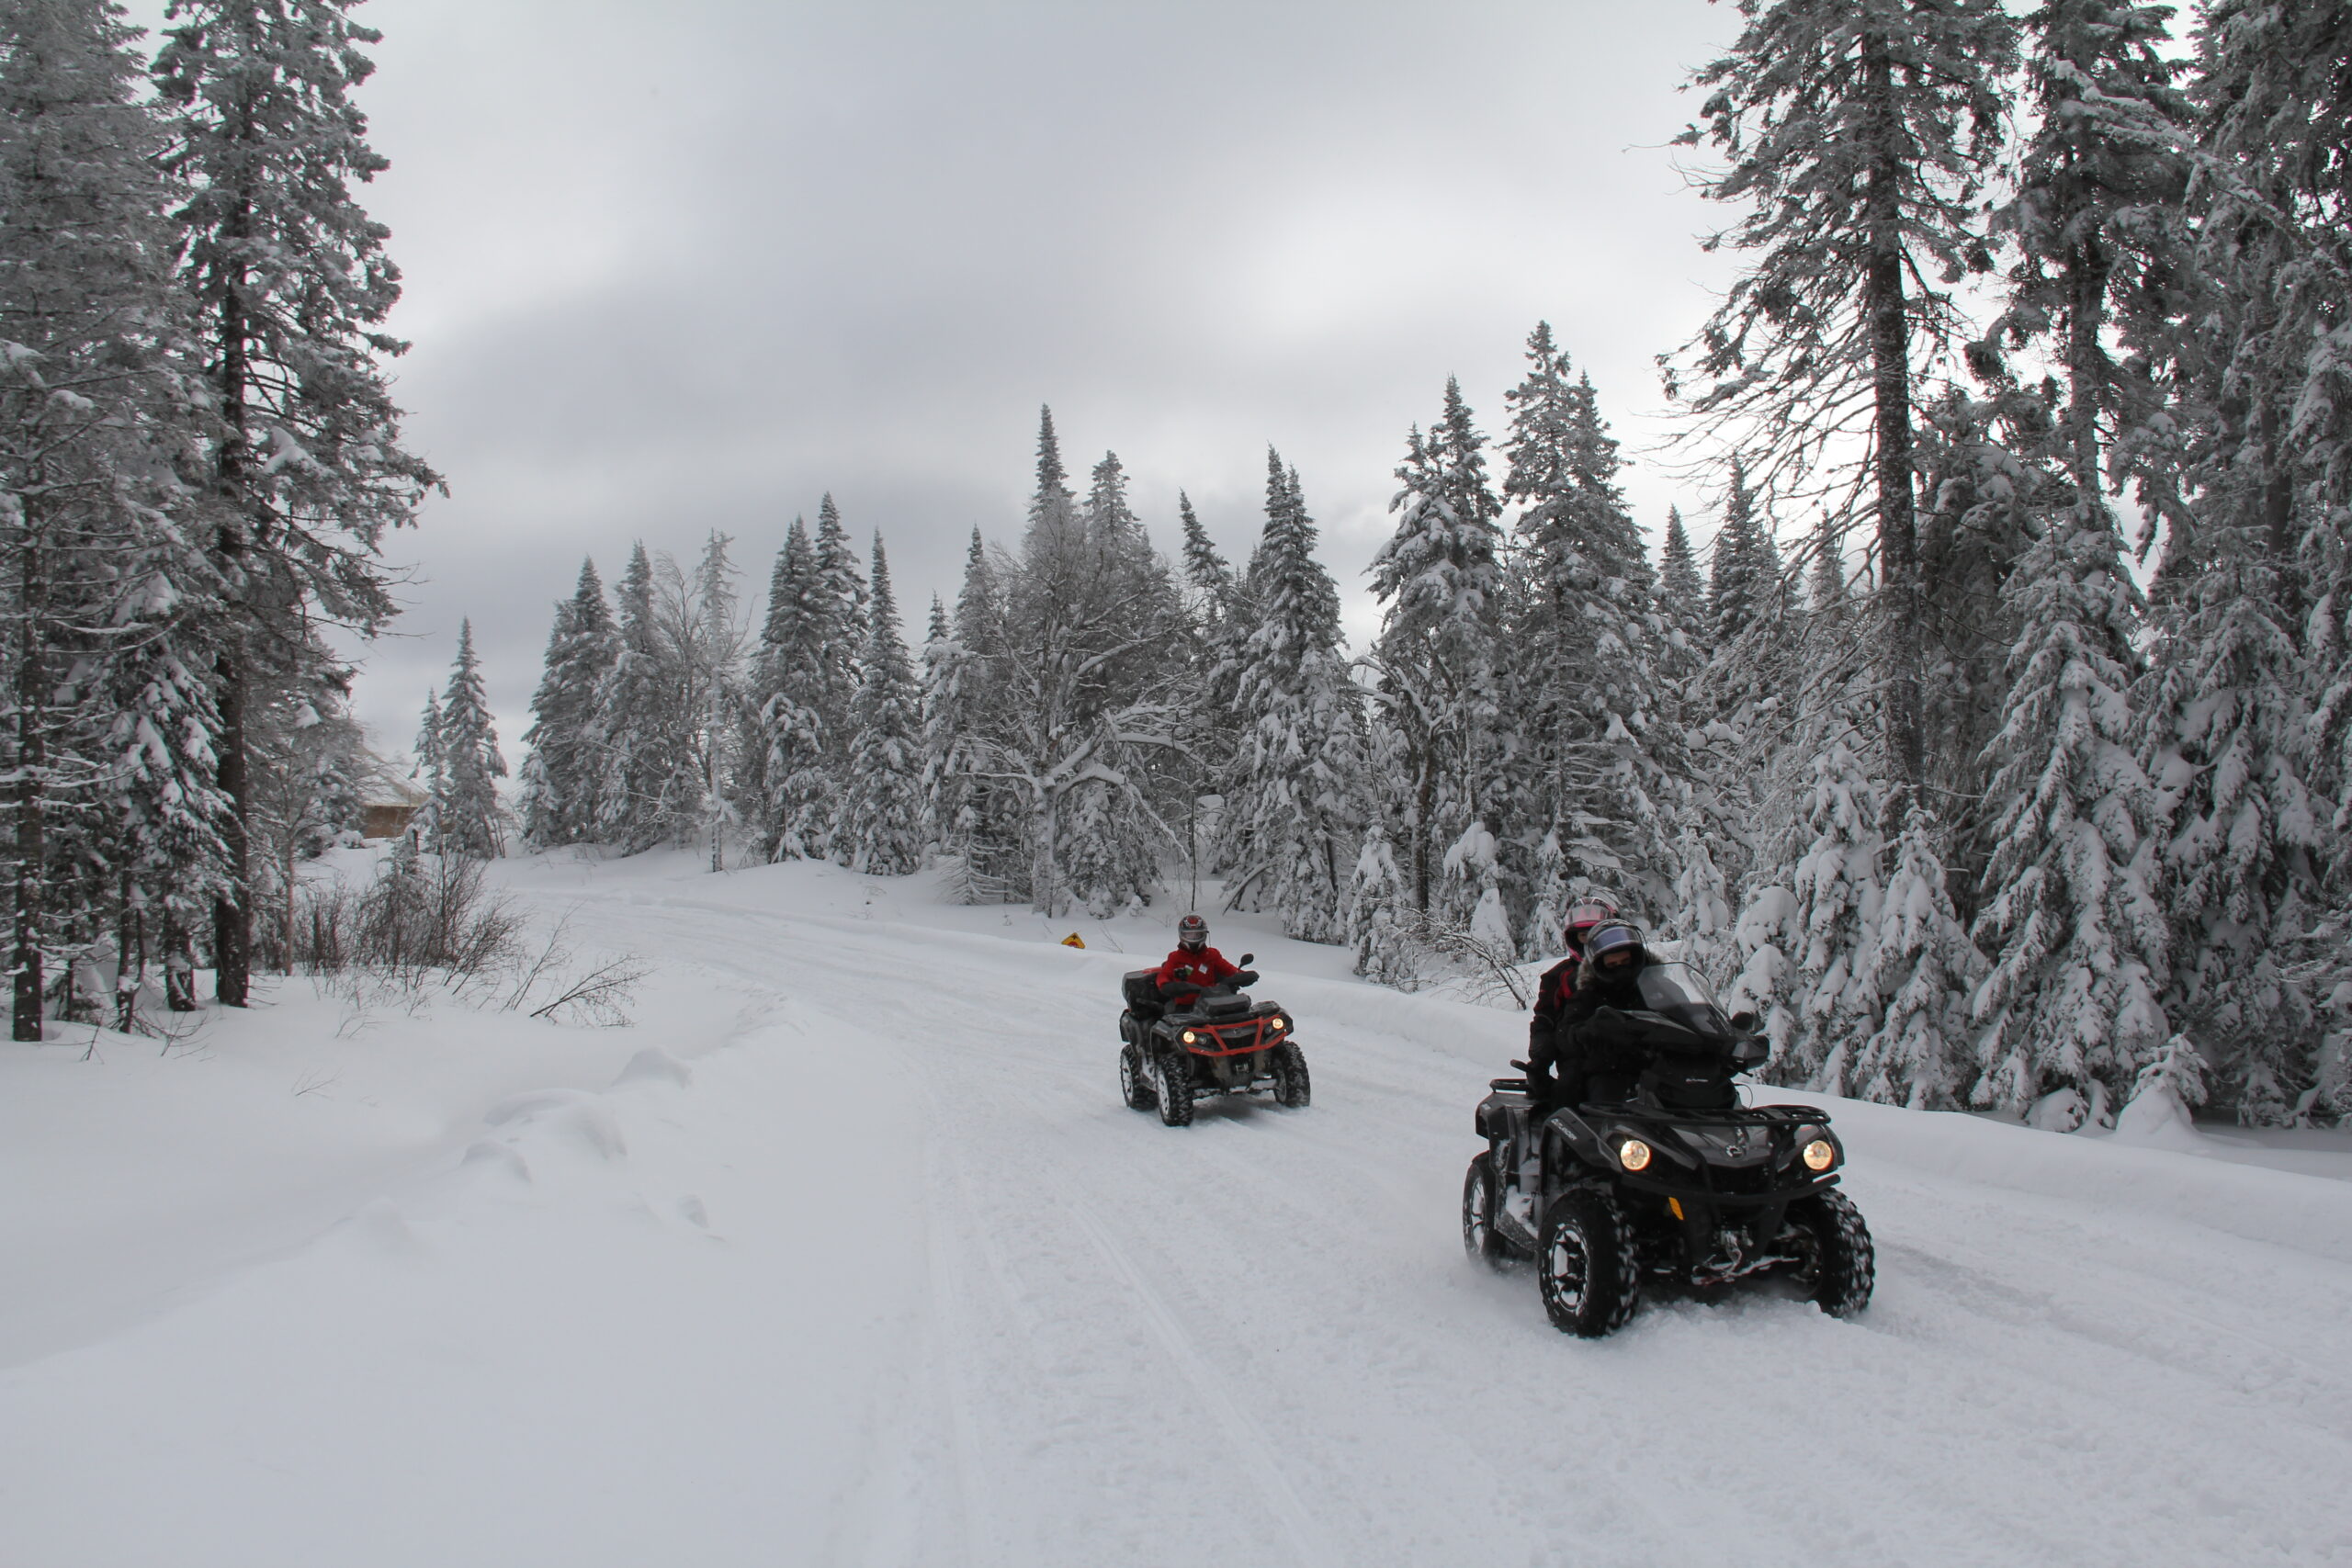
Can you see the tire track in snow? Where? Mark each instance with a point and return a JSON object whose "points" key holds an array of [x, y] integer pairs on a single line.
{"points": [[1265, 1469]]}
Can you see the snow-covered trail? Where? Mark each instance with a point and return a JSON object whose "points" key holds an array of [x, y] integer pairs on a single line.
{"points": [[894, 1278]]}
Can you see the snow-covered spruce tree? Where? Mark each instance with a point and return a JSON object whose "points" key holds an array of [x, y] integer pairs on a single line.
{"points": [[1380, 916], [428, 769], [936, 741], [1297, 804], [1746, 580], [1073, 702], [649, 788], [1683, 603], [2073, 915], [103, 581], [881, 831], [787, 783], [1919, 969], [1439, 579], [1825, 919], [1858, 135], [292, 284], [837, 606], [559, 778], [1586, 657], [977, 819], [1119, 826], [2070, 908], [470, 818], [1218, 621], [2248, 713], [2226, 741]]}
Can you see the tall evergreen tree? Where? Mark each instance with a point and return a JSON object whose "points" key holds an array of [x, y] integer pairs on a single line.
{"points": [[1746, 583], [560, 779], [1586, 654], [883, 809], [1682, 601], [292, 284], [2072, 908], [104, 739], [1298, 806], [789, 777], [430, 769], [470, 817], [1441, 582], [647, 793], [1074, 699], [1859, 135]]}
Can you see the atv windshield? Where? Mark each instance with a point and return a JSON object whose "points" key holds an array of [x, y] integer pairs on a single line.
{"points": [[1676, 995]]}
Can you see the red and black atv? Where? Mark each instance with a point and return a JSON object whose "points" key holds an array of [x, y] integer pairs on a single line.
{"points": [[1221, 1042]]}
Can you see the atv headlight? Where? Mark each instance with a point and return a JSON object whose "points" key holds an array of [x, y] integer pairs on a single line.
{"points": [[1278, 1022], [1634, 1155], [1820, 1155], [1190, 1038]]}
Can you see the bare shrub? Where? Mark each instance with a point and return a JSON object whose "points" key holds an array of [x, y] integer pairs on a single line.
{"points": [[429, 923], [1426, 951]]}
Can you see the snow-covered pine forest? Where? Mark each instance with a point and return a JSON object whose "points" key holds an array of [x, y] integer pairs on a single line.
{"points": [[1996, 745], [1991, 755]]}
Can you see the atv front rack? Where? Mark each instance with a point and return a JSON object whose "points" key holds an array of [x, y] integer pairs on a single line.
{"points": [[1260, 1031]]}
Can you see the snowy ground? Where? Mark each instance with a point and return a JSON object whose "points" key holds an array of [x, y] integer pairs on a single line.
{"points": [[849, 1254]]}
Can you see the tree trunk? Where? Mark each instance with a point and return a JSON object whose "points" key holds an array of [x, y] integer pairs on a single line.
{"points": [[233, 907], [31, 850], [1424, 802], [179, 969], [232, 910], [1900, 592], [129, 959]]}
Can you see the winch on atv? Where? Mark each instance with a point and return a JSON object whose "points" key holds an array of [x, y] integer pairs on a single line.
{"points": [[1680, 1186], [1220, 1042]]}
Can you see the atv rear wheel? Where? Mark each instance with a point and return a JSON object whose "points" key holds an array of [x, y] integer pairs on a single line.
{"points": [[1478, 1199], [1292, 1085], [1587, 1267], [1172, 1077], [1841, 1267], [1135, 1081]]}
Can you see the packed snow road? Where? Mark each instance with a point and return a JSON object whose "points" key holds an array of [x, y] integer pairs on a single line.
{"points": [[883, 1272]]}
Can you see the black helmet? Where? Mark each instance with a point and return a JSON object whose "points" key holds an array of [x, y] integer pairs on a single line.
{"points": [[1191, 931], [1583, 915], [1609, 938]]}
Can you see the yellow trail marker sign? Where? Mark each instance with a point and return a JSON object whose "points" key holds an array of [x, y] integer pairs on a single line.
{"points": [[1073, 939]]}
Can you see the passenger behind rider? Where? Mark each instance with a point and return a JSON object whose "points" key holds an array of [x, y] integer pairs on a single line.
{"points": [[1195, 966], [1559, 982], [1584, 1057]]}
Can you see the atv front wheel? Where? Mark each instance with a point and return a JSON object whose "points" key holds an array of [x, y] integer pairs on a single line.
{"points": [[1588, 1268], [1292, 1085], [1841, 1267], [1173, 1076], [1135, 1082], [1478, 1198]]}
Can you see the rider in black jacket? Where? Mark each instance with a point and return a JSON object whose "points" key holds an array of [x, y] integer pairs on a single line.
{"points": [[1583, 1057]]}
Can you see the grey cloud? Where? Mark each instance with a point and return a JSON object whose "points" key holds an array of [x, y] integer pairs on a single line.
{"points": [[682, 266]]}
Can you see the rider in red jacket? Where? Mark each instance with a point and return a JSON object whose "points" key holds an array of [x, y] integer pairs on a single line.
{"points": [[1194, 966]]}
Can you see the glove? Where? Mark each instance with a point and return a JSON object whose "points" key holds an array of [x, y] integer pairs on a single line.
{"points": [[1241, 977]]}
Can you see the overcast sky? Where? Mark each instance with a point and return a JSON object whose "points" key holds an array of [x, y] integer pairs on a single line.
{"points": [[682, 265]]}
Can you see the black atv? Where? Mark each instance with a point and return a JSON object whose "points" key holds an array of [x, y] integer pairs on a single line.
{"points": [[1222, 1043], [1678, 1186]]}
